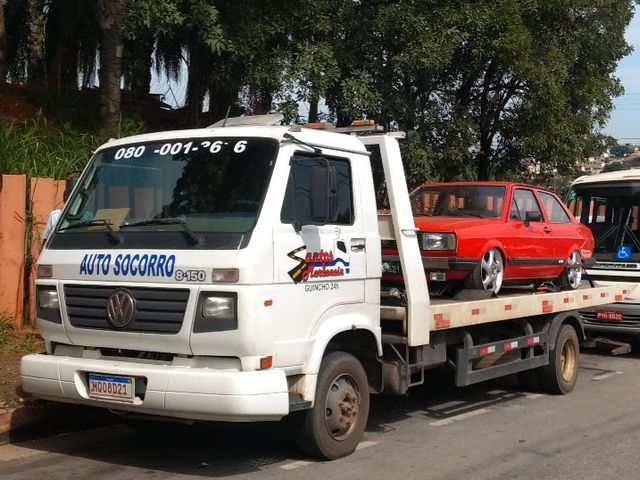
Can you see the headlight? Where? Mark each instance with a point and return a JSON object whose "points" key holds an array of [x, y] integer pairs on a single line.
{"points": [[48, 304], [222, 308], [48, 298], [438, 241], [217, 312]]}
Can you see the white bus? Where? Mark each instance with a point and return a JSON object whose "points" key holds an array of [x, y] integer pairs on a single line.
{"points": [[609, 203]]}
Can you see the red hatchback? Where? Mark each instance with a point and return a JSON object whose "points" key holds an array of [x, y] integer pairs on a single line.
{"points": [[482, 234]]}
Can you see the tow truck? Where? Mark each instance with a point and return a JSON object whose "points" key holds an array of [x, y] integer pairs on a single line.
{"points": [[233, 273]]}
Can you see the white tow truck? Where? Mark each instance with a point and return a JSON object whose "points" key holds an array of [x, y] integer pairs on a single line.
{"points": [[233, 274]]}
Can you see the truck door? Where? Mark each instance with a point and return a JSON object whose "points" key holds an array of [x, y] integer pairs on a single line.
{"points": [[317, 265]]}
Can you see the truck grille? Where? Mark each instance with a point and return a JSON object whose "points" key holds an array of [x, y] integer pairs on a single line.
{"points": [[157, 310], [589, 318]]}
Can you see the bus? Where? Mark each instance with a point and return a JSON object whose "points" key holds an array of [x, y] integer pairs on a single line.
{"points": [[609, 203]]}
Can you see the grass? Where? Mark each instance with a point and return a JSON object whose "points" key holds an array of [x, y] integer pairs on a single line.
{"points": [[37, 149], [12, 340]]}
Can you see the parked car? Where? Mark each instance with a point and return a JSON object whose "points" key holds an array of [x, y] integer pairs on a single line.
{"points": [[481, 235]]}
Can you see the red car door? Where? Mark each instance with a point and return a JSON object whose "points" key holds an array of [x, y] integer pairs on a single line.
{"points": [[529, 246], [563, 231]]}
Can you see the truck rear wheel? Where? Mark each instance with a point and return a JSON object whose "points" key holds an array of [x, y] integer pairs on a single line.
{"points": [[561, 374], [335, 425]]}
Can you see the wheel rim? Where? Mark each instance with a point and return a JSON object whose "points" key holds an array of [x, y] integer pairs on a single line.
{"points": [[574, 270], [342, 407], [492, 270], [568, 357]]}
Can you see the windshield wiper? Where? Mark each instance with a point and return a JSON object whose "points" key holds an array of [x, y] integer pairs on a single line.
{"points": [[192, 237], [111, 233]]}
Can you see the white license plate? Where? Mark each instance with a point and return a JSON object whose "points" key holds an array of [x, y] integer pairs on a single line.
{"points": [[111, 387]]}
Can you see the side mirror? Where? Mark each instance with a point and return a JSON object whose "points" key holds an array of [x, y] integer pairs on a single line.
{"points": [[532, 216], [323, 189]]}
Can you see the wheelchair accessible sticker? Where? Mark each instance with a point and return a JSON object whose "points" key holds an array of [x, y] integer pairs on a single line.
{"points": [[624, 252]]}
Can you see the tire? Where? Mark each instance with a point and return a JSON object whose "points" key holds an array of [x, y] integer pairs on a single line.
{"points": [[488, 273], [560, 375], [335, 425], [571, 276]]}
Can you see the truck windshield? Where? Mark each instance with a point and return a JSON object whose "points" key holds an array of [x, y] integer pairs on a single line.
{"points": [[186, 193], [481, 201], [612, 213]]}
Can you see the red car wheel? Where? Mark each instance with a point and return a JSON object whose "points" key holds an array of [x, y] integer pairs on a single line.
{"points": [[571, 276], [489, 272]]}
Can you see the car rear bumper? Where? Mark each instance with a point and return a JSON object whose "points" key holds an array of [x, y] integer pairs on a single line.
{"points": [[629, 325], [170, 391]]}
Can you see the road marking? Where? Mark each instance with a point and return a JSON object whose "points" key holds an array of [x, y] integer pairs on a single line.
{"points": [[367, 444], [605, 375], [496, 392], [13, 452], [462, 416], [304, 463], [294, 465], [444, 406]]}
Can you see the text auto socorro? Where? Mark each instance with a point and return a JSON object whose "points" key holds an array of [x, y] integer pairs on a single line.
{"points": [[144, 265]]}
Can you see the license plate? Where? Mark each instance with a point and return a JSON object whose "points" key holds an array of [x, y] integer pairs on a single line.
{"points": [[111, 387], [392, 267], [609, 315]]}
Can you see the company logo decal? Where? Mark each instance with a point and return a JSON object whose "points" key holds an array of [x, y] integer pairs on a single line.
{"points": [[120, 308], [137, 265], [320, 264]]}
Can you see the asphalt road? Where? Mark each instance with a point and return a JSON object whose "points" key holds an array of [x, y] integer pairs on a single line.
{"points": [[490, 431]]}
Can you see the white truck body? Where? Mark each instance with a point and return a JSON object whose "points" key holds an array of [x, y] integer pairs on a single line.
{"points": [[299, 292]]}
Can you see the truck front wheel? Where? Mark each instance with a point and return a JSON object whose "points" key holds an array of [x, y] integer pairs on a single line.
{"points": [[335, 425], [561, 374]]}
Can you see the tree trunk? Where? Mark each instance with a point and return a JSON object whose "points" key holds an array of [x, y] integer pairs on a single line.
{"points": [[196, 87], [36, 41], [3, 45], [313, 110], [111, 18]]}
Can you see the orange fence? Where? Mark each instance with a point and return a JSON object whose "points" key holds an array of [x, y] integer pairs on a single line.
{"points": [[25, 204]]}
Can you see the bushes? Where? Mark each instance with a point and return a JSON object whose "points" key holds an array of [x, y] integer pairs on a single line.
{"points": [[35, 148]]}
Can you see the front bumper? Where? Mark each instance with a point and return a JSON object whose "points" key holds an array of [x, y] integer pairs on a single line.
{"points": [[629, 325], [439, 263], [170, 391]]}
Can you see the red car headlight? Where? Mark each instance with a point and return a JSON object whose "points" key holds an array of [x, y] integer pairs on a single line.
{"points": [[438, 241]]}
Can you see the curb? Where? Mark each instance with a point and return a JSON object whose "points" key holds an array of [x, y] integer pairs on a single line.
{"points": [[42, 418]]}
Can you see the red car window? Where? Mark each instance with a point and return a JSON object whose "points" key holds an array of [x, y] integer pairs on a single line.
{"points": [[523, 201], [555, 212]]}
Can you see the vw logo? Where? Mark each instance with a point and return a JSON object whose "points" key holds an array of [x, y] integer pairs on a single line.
{"points": [[120, 307]]}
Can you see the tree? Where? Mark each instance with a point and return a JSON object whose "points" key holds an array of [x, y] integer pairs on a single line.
{"points": [[3, 45], [111, 15], [36, 40], [620, 150]]}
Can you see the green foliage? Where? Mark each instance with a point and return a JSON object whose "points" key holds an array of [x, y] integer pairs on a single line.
{"points": [[35, 149], [13, 341], [620, 150], [614, 167], [485, 86]]}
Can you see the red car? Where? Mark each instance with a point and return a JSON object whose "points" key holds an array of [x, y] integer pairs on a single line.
{"points": [[483, 234]]}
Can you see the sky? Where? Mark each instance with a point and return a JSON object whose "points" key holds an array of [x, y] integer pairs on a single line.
{"points": [[625, 119]]}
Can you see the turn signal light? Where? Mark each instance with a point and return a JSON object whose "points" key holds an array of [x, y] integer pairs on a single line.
{"points": [[266, 362], [225, 275], [45, 271]]}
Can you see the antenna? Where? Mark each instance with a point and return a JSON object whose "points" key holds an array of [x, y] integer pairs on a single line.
{"points": [[226, 117]]}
